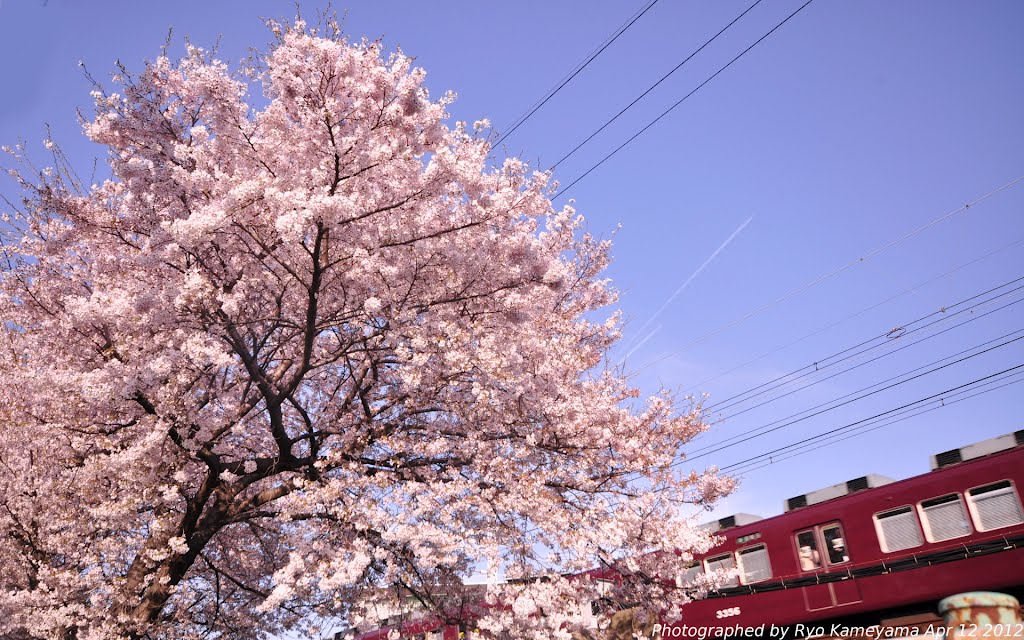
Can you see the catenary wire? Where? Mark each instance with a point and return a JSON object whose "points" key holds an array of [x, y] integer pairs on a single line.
{"points": [[898, 411], [903, 330], [851, 425], [829, 275], [864, 389], [854, 427], [741, 472], [817, 411], [954, 391], [943, 310], [941, 403], [576, 71], [650, 124], [857, 426], [861, 364], [654, 86], [898, 349], [856, 314]]}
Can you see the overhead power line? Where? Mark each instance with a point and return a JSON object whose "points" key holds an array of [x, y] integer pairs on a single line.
{"points": [[888, 421], [866, 391], [572, 74], [831, 274], [824, 366], [655, 85], [650, 124], [811, 384], [818, 410], [855, 314], [893, 337], [860, 427], [851, 425], [855, 428]]}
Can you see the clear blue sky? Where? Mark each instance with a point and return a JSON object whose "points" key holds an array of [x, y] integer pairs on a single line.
{"points": [[852, 125]]}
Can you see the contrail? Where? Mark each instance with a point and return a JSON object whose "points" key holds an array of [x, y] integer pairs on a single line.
{"points": [[641, 343], [692, 277]]}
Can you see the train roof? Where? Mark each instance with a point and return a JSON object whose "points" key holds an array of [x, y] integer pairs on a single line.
{"points": [[939, 462]]}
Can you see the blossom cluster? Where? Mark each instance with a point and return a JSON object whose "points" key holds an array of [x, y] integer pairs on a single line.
{"points": [[289, 355]]}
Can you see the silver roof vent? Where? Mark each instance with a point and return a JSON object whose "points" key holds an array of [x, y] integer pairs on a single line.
{"points": [[869, 481], [728, 522], [978, 449]]}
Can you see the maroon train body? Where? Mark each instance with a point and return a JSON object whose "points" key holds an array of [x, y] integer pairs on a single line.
{"points": [[902, 546], [867, 552]]}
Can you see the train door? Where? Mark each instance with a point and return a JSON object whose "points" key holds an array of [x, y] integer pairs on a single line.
{"points": [[822, 550]]}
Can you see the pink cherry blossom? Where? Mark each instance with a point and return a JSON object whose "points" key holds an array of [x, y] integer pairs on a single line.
{"points": [[289, 356]]}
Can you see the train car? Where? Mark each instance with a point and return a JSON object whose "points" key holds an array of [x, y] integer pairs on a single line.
{"points": [[426, 628], [865, 552], [872, 549]]}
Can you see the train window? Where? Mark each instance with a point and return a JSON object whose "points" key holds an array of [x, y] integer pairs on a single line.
{"points": [[604, 589], [724, 563], [437, 635], [995, 506], [835, 543], [897, 529], [754, 564], [689, 575], [807, 550], [944, 518]]}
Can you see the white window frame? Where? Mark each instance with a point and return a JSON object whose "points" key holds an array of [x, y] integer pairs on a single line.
{"points": [[883, 543], [680, 584], [735, 566], [826, 554], [926, 526], [971, 507], [604, 587], [739, 563], [814, 537]]}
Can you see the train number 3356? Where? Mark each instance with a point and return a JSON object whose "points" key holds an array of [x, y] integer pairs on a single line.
{"points": [[727, 613]]}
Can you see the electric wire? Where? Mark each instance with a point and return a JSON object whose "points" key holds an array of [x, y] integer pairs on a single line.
{"points": [[847, 318], [901, 347], [851, 425], [857, 366], [829, 275], [817, 411], [654, 86], [715, 447], [572, 74], [876, 421], [902, 331], [869, 387], [743, 469], [855, 428], [939, 403], [944, 310], [650, 124]]}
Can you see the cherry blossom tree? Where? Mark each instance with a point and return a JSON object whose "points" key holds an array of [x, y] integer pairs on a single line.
{"points": [[310, 345]]}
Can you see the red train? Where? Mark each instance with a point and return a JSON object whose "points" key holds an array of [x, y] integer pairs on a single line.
{"points": [[874, 550], [869, 551]]}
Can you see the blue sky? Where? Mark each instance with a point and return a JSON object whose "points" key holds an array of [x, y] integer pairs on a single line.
{"points": [[851, 126]]}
